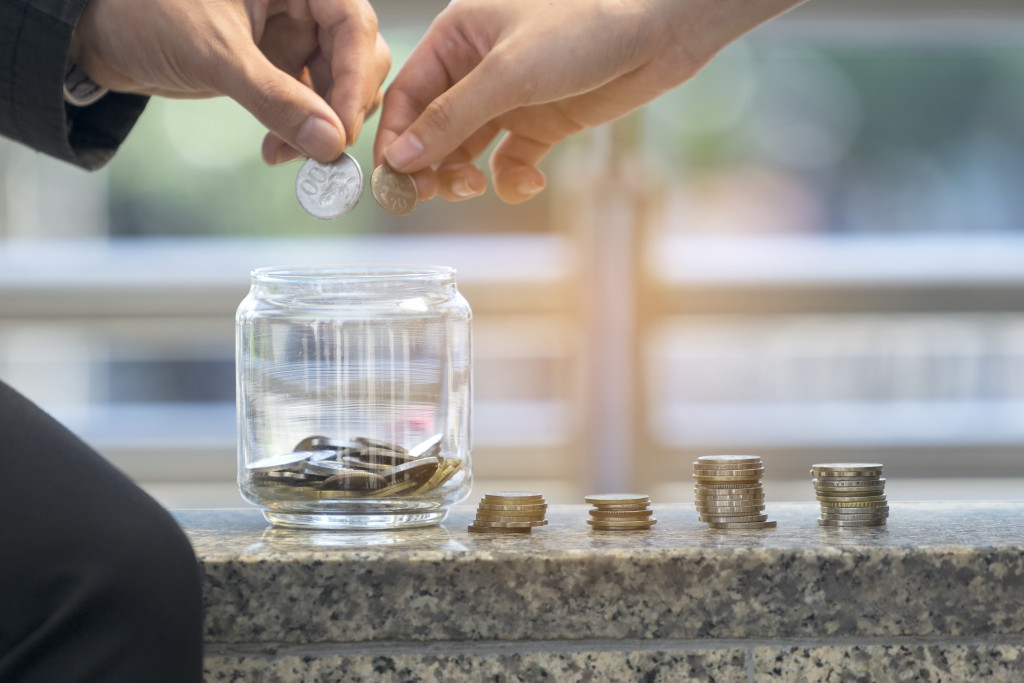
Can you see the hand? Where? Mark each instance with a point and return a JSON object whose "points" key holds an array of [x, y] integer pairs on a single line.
{"points": [[541, 71], [309, 70]]}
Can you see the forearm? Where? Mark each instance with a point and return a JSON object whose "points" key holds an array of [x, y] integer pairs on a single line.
{"points": [[37, 37]]}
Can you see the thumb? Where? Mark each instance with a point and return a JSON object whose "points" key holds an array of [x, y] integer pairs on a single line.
{"points": [[449, 117], [286, 106]]}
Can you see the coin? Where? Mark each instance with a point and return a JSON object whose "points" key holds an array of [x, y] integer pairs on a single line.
{"points": [[527, 507], [312, 443], [621, 514], [415, 470], [847, 482], [752, 485], [377, 444], [850, 499], [621, 525], [743, 525], [617, 499], [426, 446], [395, 192], [739, 519], [509, 524], [498, 530], [353, 480], [278, 462], [854, 504], [851, 523], [727, 459], [331, 190], [514, 497]]}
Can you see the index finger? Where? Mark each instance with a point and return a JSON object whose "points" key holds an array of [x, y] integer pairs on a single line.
{"points": [[359, 60]]}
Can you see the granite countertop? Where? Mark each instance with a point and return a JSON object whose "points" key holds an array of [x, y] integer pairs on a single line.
{"points": [[936, 569]]}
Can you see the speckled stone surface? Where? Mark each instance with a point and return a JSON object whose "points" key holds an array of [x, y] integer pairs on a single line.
{"points": [[940, 590]]}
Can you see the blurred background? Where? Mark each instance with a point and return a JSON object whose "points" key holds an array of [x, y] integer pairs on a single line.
{"points": [[812, 252]]}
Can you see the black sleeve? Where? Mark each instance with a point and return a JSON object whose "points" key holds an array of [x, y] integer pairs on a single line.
{"points": [[35, 36]]}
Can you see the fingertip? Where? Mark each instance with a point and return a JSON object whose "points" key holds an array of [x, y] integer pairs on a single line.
{"points": [[458, 182], [520, 184], [276, 151], [426, 184], [403, 153], [320, 139]]}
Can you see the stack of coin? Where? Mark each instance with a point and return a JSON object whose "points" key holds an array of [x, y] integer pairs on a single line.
{"points": [[851, 494], [729, 494], [319, 468], [620, 512], [509, 512]]}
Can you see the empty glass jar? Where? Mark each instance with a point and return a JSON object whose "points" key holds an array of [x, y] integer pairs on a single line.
{"points": [[354, 395]]}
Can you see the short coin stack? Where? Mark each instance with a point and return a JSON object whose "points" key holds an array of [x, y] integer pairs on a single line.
{"points": [[509, 512], [621, 512], [729, 494], [851, 494]]}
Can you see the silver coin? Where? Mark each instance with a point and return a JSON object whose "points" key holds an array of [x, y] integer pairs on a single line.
{"points": [[421, 449], [394, 191], [278, 462], [331, 190]]}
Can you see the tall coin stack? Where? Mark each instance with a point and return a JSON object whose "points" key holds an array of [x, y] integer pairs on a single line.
{"points": [[620, 512], [851, 494], [729, 494], [509, 512]]}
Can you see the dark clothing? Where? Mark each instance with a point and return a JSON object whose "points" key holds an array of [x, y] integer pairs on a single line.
{"points": [[97, 582], [34, 39]]}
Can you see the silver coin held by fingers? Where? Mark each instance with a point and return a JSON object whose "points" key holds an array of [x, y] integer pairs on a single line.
{"points": [[331, 190], [394, 191]]}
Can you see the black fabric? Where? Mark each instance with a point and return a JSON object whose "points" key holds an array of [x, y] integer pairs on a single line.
{"points": [[35, 36], [97, 581]]}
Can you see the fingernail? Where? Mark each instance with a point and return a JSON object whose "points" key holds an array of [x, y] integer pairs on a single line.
{"points": [[528, 188], [319, 139], [403, 151], [460, 188]]}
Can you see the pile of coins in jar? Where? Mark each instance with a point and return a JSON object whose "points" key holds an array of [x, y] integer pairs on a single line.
{"points": [[320, 469], [328, 191]]}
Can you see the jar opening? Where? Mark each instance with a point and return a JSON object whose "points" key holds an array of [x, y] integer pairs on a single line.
{"points": [[351, 273]]}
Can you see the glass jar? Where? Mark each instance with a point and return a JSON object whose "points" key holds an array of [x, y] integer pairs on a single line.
{"points": [[354, 394]]}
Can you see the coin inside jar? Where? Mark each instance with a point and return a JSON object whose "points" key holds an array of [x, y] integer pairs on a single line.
{"points": [[328, 191]]}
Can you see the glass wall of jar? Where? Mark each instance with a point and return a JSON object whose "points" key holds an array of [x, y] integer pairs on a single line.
{"points": [[354, 395]]}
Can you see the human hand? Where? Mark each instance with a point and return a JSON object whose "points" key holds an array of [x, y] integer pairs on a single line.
{"points": [[309, 70], [541, 71]]}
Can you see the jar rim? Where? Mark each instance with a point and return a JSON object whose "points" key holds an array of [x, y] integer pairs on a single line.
{"points": [[363, 272]]}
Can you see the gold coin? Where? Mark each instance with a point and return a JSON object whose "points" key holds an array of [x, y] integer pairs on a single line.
{"points": [[727, 459], [498, 530], [617, 498], [729, 498], [508, 516], [525, 507], [850, 499], [719, 519], [743, 525], [724, 479], [859, 491], [729, 510], [509, 525], [395, 192], [506, 497], [624, 506], [354, 480], [620, 514], [610, 525]]}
